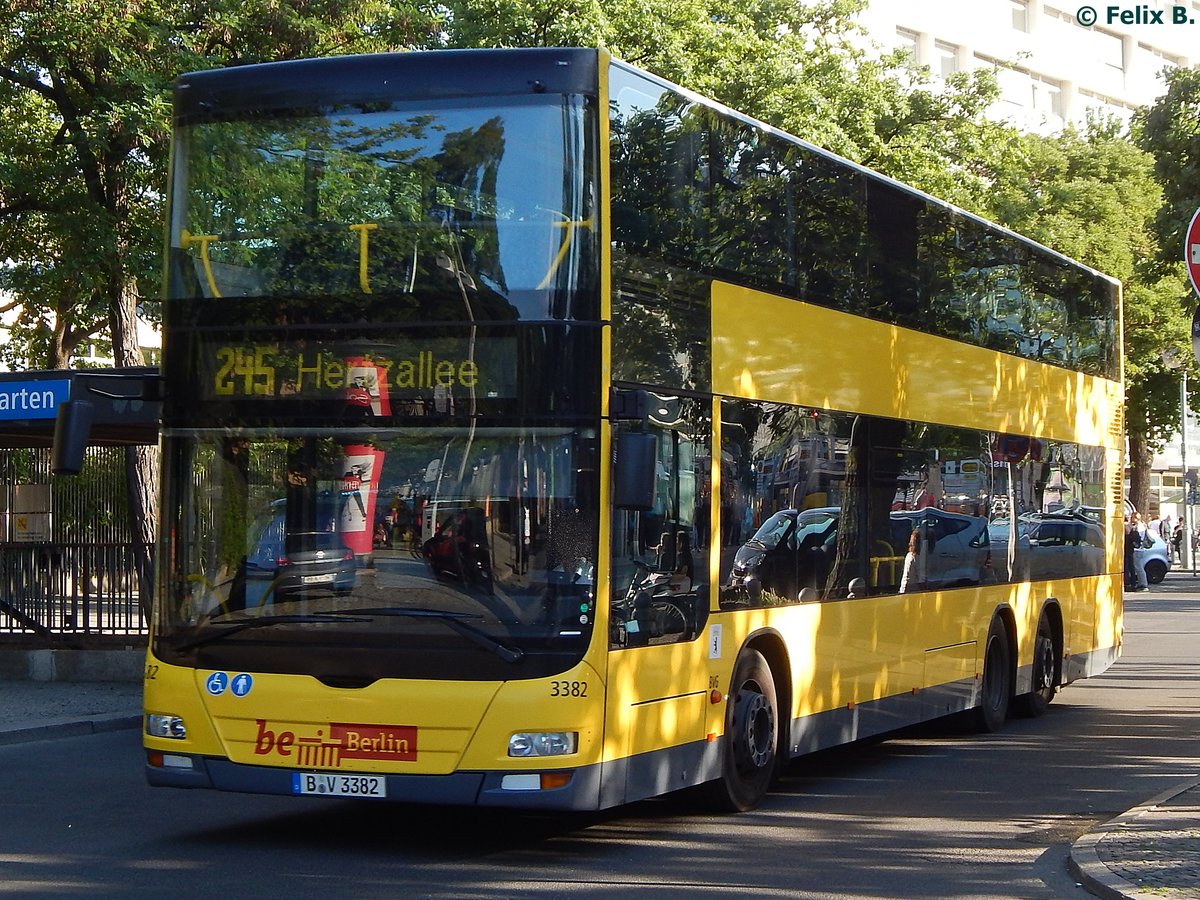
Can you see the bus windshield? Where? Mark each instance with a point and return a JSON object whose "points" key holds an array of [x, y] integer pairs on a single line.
{"points": [[400, 198], [364, 476], [436, 551]]}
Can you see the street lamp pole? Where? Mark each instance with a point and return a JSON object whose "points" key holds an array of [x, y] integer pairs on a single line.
{"points": [[1186, 555]]}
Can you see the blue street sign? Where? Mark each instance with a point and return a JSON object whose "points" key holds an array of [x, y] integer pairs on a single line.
{"points": [[32, 399]]}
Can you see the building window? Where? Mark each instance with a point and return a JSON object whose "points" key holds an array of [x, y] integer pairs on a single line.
{"points": [[1110, 49], [1106, 106], [1020, 14], [908, 41], [1047, 97], [1159, 58], [1014, 87], [947, 57]]}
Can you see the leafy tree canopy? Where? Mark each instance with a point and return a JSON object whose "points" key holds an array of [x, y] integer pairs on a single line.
{"points": [[1093, 196], [1170, 131], [85, 96]]}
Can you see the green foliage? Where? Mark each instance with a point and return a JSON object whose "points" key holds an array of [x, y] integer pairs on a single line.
{"points": [[1093, 196], [1090, 196], [794, 65], [1170, 131], [85, 97]]}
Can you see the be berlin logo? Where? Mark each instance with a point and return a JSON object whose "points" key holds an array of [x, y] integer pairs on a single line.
{"points": [[1138, 15]]}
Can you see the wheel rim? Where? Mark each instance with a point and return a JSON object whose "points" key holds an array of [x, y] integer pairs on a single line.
{"points": [[1043, 670], [754, 747]]}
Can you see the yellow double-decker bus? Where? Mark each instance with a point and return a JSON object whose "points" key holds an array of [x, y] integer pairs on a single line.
{"points": [[539, 434]]}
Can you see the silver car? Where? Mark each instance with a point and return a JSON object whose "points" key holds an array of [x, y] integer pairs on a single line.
{"points": [[1155, 559]]}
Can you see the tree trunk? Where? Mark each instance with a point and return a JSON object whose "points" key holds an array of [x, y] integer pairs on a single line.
{"points": [[60, 354], [1140, 459], [141, 463]]}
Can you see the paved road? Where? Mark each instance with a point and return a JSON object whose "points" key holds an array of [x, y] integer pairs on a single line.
{"points": [[934, 813]]}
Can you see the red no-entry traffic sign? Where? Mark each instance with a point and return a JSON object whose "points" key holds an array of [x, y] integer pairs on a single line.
{"points": [[1191, 251]]}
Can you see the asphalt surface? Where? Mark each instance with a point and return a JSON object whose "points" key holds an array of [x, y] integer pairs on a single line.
{"points": [[1150, 852]]}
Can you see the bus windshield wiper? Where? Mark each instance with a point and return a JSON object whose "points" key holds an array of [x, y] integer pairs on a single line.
{"points": [[232, 628], [453, 619]]}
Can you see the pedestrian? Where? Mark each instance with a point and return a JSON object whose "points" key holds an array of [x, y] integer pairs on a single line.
{"points": [[1136, 537]]}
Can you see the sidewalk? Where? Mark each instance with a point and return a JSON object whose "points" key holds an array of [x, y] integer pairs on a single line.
{"points": [[1151, 852], [36, 710]]}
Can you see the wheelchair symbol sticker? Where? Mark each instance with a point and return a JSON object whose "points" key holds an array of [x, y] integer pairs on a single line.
{"points": [[216, 683], [241, 685]]}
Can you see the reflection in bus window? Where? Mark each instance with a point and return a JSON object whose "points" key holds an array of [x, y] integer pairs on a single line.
{"points": [[838, 499]]}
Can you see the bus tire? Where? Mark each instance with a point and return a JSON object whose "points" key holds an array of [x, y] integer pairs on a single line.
{"points": [[750, 750], [995, 688], [1044, 682]]}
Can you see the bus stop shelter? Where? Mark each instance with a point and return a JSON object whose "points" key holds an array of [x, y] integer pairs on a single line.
{"points": [[68, 573]]}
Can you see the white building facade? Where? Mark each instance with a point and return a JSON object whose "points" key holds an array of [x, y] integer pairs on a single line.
{"points": [[1052, 69]]}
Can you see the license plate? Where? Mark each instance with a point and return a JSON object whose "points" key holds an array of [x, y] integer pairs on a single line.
{"points": [[316, 579], [328, 785]]}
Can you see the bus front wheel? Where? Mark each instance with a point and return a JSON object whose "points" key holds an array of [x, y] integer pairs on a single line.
{"points": [[996, 685], [751, 745]]}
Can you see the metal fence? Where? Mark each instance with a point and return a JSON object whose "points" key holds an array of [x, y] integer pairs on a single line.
{"points": [[68, 561]]}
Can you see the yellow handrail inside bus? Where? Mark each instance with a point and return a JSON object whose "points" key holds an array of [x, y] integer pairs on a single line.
{"points": [[568, 227], [889, 558], [187, 239], [363, 230]]}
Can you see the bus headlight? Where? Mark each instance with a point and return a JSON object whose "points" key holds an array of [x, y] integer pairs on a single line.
{"points": [[543, 743], [166, 727]]}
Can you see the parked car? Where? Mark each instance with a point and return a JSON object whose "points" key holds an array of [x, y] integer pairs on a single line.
{"points": [[1155, 559], [459, 548], [795, 549], [792, 550], [958, 547], [1051, 546], [303, 561]]}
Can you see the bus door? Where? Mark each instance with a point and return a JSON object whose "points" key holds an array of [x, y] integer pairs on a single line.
{"points": [[658, 573]]}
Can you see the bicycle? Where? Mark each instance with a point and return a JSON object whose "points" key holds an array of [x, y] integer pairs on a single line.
{"points": [[651, 610]]}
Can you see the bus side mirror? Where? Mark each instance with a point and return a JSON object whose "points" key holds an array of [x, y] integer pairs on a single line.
{"points": [[72, 431], [633, 471]]}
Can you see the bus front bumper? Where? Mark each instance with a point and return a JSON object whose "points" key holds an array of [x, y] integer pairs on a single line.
{"points": [[503, 789]]}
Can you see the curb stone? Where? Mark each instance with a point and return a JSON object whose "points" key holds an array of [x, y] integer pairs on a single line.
{"points": [[1086, 864]]}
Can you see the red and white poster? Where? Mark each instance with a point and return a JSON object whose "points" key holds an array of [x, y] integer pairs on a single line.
{"points": [[367, 387], [358, 486]]}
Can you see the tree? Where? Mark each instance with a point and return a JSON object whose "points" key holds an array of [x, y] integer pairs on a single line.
{"points": [[85, 123], [795, 65], [1093, 196], [1170, 132]]}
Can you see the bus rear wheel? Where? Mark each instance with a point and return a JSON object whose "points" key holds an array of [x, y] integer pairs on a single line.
{"points": [[997, 683], [751, 746], [1044, 673]]}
